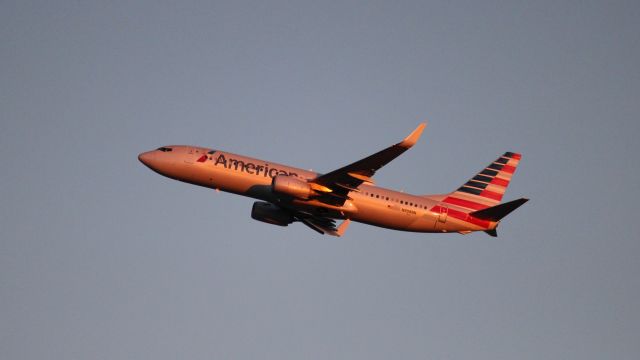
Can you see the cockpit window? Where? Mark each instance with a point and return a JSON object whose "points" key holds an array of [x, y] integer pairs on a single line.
{"points": [[211, 152], [165, 149]]}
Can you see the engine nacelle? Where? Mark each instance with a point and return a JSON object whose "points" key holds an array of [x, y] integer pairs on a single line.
{"points": [[271, 214], [291, 186]]}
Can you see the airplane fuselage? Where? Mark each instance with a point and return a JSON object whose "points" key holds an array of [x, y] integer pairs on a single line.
{"points": [[369, 204]]}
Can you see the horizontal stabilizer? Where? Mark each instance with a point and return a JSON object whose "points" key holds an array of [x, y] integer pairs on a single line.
{"points": [[492, 232], [496, 213]]}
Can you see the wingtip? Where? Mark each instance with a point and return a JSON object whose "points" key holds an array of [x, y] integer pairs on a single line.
{"points": [[412, 139], [343, 227]]}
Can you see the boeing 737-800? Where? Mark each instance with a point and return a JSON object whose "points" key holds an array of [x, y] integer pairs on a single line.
{"points": [[288, 194]]}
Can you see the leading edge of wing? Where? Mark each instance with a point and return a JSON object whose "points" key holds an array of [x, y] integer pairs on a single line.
{"points": [[349, 177]]}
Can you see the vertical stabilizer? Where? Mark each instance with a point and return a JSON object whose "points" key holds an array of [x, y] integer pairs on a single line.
{"points": [[488, 186]]}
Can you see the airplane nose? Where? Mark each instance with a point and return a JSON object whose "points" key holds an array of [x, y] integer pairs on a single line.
{"points": [[146, 157]]}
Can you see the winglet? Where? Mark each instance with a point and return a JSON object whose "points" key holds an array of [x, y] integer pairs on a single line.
{"points": [[412, 139]]}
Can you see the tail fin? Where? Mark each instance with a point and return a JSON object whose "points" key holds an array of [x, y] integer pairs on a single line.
{"points": [[488, 186]]}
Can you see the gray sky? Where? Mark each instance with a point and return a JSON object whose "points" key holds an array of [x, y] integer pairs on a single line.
{"points": [[102, 259]]}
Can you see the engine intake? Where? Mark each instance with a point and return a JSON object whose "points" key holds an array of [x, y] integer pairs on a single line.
{"points": [[271, 214], [291, 186]]}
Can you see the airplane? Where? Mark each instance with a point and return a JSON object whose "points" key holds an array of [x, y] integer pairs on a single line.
{"points": [[287, 194]]}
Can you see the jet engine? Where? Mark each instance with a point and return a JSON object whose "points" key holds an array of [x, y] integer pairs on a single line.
{"points": [[271, 214], [291, 186]]}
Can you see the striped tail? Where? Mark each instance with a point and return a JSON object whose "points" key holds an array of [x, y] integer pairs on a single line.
{"points": [[488, 186]]}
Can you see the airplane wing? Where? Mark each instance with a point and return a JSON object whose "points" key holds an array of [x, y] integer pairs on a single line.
{"points": [[335, 185]]}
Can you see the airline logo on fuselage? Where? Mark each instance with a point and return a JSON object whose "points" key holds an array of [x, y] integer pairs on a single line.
{"points": [[248, 167]]}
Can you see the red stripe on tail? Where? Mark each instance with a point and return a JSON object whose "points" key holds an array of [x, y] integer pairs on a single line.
{"points": [[508, 169], [461, 215], [465, 203], [491, 195], [501, 182]]}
